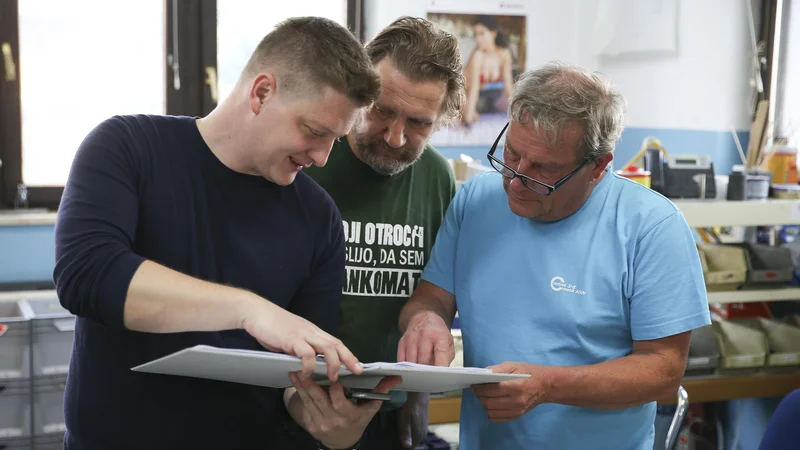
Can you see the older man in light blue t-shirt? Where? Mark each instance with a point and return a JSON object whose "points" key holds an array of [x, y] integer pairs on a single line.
{"points": [[589, 282]]}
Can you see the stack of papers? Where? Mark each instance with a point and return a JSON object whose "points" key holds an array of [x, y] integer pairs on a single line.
{"points": [[272, 370]]}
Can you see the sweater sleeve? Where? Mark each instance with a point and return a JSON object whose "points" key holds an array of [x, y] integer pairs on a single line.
{"points": [[96, 224]]}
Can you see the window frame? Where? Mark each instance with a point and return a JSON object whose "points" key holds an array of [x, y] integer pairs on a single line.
{"points": [[10, 112], [195, 26]]}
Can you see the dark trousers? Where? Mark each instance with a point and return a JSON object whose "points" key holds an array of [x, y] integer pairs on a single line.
{"points": [[381, 433]]}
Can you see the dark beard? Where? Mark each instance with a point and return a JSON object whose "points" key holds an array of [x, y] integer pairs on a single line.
{"points": [[384, 159]]}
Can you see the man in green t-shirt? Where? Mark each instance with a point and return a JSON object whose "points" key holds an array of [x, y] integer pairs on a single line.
{"points": [[393, 189]]}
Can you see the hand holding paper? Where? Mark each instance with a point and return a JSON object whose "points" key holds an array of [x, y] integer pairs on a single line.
{"points": [[329, 416], [508, 400], [281, 331]]}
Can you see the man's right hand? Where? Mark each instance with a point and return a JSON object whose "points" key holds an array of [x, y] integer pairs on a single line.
{"points": [[279, 330], [427, 340]]}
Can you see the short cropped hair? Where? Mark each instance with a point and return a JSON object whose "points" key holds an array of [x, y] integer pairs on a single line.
{"points": [[423, 52], [557, 94], [308, 52]]}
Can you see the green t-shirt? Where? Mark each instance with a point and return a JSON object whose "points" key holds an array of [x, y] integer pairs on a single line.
{"points": [[390, 224]]}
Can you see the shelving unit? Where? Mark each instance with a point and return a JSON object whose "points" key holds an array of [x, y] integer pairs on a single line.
{"points": [[712, 213]]}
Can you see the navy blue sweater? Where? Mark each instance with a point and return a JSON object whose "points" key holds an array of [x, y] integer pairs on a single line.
{"points": [[148, 187]]}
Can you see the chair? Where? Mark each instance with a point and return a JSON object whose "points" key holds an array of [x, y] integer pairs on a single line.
{"points": [[681, 408]]}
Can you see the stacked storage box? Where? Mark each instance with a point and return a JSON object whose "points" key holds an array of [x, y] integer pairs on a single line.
{"points": [[704, 352], [52, 329], [743, 349], [15, 382], [732, 267], [724, 267], [740, 346], [767, 266], [36, 343], [783, 343]]}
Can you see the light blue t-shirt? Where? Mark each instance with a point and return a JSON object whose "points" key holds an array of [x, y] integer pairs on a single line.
{"points": [[574, 292]]}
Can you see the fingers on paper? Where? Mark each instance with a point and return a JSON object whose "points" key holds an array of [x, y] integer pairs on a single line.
{"points": [[349, 359], [336, 354], [429, 346], [401, 350], [332, 360], [412, 349], [443, 352], [387, 384], [308, 357], [443, 358], [425, 350], [505, 367]]}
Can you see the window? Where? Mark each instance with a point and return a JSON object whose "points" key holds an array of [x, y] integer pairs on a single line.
{"points": [[82, 61], [66, 65], [787, 118], [241, 24]]}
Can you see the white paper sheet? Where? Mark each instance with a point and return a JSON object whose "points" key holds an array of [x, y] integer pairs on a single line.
{"points": [[272, 370]]}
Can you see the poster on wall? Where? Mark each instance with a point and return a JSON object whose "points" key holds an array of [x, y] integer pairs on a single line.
{"points": [[493, 54]]}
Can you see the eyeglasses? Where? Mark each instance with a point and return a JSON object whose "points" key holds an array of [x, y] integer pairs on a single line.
{"points": [[535, 185]]}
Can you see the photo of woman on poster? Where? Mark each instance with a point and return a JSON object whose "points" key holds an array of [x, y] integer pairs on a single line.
{"points": [[488, 71], [493, 55]]}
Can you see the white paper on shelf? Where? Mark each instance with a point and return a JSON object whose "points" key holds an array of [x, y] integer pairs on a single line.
{"points": [[55, 370], [6, 374], [55, 428], [262, 368], [10, 432]]}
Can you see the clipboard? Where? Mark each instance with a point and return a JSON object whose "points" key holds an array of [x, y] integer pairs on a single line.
{"points": [[268, 369]]}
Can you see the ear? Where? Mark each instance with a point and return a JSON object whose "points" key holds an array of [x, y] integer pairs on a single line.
{"points": [[263, 88], [600, 165]]}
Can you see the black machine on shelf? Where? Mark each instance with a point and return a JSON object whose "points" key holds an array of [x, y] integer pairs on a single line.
{"points": [[680, 176]]}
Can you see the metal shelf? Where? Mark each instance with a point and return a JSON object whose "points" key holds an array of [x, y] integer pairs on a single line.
{"points": [[13, 296], [766, 295], [710, 213], [722, 388]]}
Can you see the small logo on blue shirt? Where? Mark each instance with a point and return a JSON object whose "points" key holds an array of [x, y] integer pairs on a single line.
{"points": [[558, 284]]}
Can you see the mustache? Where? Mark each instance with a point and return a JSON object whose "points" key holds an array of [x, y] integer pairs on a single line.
{"points": [[381, 145]]}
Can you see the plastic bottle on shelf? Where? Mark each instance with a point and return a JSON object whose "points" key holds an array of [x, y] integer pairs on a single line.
{"points": [[781, 160]]}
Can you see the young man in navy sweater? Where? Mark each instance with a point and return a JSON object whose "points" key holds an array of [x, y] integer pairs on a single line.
{"points": [[177, 231]]}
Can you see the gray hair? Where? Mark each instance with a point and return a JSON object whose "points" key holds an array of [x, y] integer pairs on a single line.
{"points": [[557, 94]]}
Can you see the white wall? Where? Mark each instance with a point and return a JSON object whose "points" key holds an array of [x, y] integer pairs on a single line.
{"points": [[703, 86]]}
